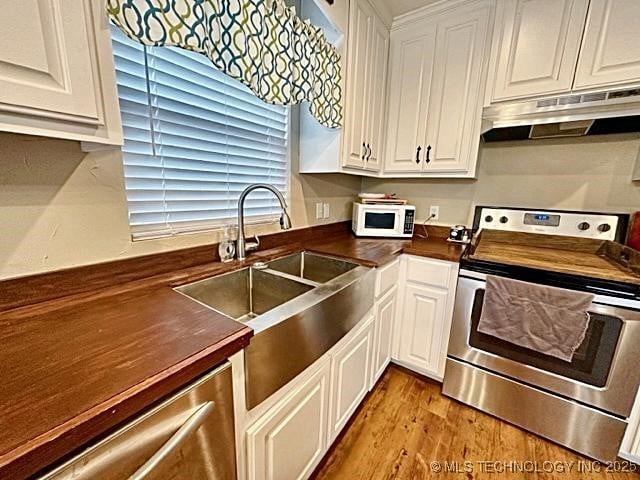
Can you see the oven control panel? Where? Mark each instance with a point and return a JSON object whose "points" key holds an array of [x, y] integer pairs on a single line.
{"points": [[600, 226]]}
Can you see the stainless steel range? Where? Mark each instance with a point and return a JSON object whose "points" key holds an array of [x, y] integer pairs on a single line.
{"points": [[583, 403]]}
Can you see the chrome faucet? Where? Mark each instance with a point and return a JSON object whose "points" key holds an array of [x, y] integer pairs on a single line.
{"points": [[243, 246]]}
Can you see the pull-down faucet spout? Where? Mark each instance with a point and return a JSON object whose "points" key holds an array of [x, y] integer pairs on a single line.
{"points": [[285, 222]]}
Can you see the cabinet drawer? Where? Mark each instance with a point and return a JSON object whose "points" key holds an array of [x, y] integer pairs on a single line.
{"points": [[387, 277], [429, 271]]}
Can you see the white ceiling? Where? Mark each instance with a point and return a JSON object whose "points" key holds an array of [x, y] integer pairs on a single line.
{"points": [[399, 7]]}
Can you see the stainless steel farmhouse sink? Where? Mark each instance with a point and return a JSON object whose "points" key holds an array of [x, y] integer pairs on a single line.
{"points": [[299, 306], [244, 294], [311, 266]]}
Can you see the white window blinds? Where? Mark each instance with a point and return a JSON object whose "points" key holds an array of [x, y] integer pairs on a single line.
{"points": [[194, 139]]}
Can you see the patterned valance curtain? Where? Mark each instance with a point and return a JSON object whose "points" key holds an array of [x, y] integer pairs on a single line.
{"points": [[261, 43]]}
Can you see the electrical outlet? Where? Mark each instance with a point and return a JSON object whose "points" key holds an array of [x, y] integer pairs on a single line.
{"points": [[434, 212], [326, 210], [319, 211]]}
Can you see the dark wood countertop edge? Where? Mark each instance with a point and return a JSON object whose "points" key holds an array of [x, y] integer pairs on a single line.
{"points": [[63, 441]]}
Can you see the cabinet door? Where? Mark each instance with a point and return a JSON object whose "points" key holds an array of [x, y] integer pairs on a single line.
{"points": [[630, 448], [46, 67], [611, 44], [350, 375], [356, 114], [385, 317], [411, 64], [538, 46], [288, 441], [455, 106], [379, 49], [422, 326]]}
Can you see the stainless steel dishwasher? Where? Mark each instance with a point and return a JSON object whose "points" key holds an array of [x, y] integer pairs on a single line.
{"points": [[189, 436]]}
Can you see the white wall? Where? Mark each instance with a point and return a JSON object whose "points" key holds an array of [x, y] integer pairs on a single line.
{"points": [[588, 173], [60, 207]]}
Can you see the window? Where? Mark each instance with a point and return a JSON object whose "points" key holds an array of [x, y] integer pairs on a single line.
{"points": [[194, 139]]}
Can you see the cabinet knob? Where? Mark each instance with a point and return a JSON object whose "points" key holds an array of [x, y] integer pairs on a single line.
{"points": [[427, 159], [418, 154]]}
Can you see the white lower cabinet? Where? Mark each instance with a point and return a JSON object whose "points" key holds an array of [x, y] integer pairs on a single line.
{"points": [[290, 439], [630, 448], [423, 312], [383, 333], [409, 323], [427, 291], [350, 367]]}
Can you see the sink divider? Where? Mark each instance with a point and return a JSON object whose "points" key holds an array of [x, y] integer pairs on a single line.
{"points": [[288, 276]]}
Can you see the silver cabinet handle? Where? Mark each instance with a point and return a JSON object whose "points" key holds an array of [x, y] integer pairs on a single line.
{"points": [[191, 425]]}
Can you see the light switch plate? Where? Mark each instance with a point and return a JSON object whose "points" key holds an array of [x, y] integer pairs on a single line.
{"points": [[319, 210], [326, 210]]}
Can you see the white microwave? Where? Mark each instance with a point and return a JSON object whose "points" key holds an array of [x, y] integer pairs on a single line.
{"points": [[383, 220]]}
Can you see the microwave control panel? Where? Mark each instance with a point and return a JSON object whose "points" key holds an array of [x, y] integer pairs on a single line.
{"points": [[409, 216]]}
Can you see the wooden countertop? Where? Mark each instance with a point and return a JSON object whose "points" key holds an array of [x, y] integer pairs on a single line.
{"points": [[73, 371], [376, 252], [570, 255], [83, 350], [561, 261]]}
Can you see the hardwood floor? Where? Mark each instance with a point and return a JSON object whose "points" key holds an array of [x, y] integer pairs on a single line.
{"points": [[406, 424]]}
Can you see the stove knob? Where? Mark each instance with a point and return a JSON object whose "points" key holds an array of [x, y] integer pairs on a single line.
{"points": [[504, 219], [488, 219], [604, 227], [584, 226]]}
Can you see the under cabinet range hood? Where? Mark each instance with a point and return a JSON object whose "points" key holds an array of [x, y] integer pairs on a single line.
{"points": [[571, 115]]}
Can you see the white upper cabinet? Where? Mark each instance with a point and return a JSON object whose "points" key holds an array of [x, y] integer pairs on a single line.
{"points": [[366, 83], [455, 104], [361, 18], [611, 45], [411, 59], [438, 67], [56, 71], [45, 60], [550, 47], [538, 46], [379, 49]]}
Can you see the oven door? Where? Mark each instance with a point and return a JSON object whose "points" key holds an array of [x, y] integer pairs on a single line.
{"points": [[603, 372], [380, 222]]}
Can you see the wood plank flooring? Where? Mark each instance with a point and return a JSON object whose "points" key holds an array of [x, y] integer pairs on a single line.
{"points": [[406, 424]]}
